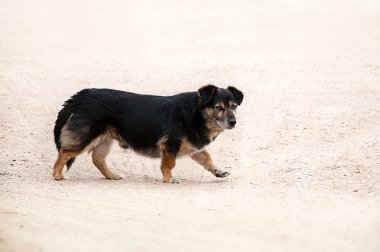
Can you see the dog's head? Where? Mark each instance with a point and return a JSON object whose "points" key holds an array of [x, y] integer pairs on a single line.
{"points": [[219, 105]]}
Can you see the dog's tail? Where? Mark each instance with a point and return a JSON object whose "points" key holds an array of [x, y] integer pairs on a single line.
{"points": [[63, 117], [69, 163]]}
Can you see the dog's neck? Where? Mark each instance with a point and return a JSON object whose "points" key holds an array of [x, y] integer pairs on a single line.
{"points": [[213, 129]]}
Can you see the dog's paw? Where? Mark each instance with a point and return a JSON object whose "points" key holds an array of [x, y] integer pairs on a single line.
{"points": [[115, 176], [221, 174], [173, 181], [58, 176]]}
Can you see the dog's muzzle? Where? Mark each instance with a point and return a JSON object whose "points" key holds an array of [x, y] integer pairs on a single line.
{"points": [[227, 124]]}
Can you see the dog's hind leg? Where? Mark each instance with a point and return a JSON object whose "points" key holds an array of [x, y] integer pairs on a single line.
{"points": [[99, 154], [63, 157], [204, 158]]}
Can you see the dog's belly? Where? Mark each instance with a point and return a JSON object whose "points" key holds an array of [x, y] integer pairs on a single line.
{"points": [[186, 148], [153, 152]]}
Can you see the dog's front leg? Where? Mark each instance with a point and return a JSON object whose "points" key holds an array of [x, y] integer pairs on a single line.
{"points": [[204, 158], [167, 164]]}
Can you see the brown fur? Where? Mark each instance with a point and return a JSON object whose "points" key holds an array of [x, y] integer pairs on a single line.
{"points": [[63, 157], [99, 153], [210, 114], [167, 164], [100, 148], [186, 148], [204, 158]]}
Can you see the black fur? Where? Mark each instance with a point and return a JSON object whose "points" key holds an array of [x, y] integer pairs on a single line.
{"points": [[237, 94], [206, 94], [141, 121]]}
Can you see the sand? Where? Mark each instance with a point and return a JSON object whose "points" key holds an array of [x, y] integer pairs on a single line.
{"points": [[304, 158]]}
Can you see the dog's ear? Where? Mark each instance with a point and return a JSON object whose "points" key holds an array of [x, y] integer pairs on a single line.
{"points": [[206, 93], [237, 94]]}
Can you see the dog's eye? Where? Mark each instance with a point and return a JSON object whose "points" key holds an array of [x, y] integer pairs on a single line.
{"points": [[218, 108], [233, 106]]}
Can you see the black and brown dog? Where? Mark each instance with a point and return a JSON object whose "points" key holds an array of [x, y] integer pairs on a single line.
{"points": [[165, 127]]}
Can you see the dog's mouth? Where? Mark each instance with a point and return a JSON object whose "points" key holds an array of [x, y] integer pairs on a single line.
{"points": [[225, 124]]}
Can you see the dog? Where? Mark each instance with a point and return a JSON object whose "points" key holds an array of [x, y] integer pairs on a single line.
{"points": [[166, 127]]}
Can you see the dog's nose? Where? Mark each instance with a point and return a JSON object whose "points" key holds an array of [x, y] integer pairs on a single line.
{"points": [[232, 122]]}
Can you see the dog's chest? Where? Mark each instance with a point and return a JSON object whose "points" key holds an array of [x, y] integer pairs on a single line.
{"points": [[187, 148], [214, 135]]}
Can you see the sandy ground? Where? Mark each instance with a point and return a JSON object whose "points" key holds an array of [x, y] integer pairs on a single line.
{"points": [[304, 157]]}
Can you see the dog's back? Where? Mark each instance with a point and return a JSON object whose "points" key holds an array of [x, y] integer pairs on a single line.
{"points": [[137, 121]]}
